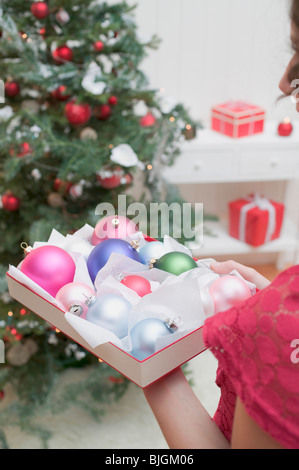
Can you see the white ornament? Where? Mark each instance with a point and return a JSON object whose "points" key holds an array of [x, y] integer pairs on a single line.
{"points": [[140, 108], [6, 113], [124, 155], [36, 174], [76, 190], [91, 82]]}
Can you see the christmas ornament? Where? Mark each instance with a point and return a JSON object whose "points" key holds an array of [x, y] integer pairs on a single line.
{"points": [[40, 10], [55, 200], [110, 178], [25, 149], [175, 263], [88, 133], [42, 32], [50, 267], [112, 100], [285, 128], [10, 202], [73, 296], [111, 312], [62, 54], [11, 89], [124, 155], [113, 226], [127, 179], [148, 120], [62, 186], [77, 114], [152, 250], [76, 190], [98, 46], [138, 284], [62, 16], [102, 112], [189, 132], [228, 291], [60, 93], [101, 253], [145, 333]]}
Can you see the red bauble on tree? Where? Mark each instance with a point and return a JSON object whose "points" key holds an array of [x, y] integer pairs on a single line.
{"points": [[60, 93], [112, 100], [98, 46], [62, 186], [148, 120], [11, 89], [40, 10], [77, 114], [110, 178], [25, 149], [62, 54], [102, 112], [10, 202]]}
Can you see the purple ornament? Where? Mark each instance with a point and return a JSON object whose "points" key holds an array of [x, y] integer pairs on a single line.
{"points": [[101, 253]]}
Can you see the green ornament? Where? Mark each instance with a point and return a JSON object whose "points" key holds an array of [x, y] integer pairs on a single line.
{"points": [[175, 263]]}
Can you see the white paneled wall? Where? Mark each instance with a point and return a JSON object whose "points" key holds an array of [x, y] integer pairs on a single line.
{"points": [[213, 50]]}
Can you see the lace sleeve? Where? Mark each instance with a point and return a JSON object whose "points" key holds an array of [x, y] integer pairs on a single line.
{"points": [[254, 345]]}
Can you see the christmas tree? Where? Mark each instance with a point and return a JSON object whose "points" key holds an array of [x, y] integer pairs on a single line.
{"points": [[78, 124]]}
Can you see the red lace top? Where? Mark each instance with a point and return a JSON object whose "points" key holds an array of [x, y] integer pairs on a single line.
{"points": [[258, 359]]}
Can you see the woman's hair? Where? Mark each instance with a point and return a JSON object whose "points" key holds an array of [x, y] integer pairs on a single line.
{"points": [[294, 14]]}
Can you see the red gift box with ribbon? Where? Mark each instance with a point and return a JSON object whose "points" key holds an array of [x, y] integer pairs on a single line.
{"points": [[255, 220], [238, 119]]}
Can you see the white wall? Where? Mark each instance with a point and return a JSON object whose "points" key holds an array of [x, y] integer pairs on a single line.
{"points": [[213, 50]]}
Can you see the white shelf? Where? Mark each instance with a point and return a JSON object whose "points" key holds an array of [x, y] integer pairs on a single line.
{"points": [[223, 244]]}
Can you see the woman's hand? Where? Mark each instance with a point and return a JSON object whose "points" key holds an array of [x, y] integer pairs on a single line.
{"points": [[247, 273]]}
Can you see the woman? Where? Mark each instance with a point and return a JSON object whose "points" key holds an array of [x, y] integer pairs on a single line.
{"points": [[258, 374]]}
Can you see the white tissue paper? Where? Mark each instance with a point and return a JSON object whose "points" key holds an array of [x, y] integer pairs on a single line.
{"points": [[183, 299]]}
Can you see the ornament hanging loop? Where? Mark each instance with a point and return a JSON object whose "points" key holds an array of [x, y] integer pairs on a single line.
{"points": [[26, 248]]}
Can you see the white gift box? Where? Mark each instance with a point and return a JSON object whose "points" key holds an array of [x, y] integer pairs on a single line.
{"points": [[183, 299]]}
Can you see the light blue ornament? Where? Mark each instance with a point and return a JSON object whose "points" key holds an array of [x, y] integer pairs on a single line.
{"points": [[110, 311], [145, 333], [152, 250]]}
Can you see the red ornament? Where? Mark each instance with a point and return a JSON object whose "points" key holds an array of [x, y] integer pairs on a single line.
{"points": [[110, 179], [40, 10], [62, 54], [60, 93], [102, 112], [113, 100], [62, 186], [25, 149], [10, 202], [11, 89], [98, 46], [42, 31], [285, 128], [127, 179], [138, 284], [147, 120], [77, 114]]}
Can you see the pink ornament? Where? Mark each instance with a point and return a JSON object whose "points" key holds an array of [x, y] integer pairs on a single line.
{"points": [[138, 284], [50, 267], [73, 296], [114, 226], [228, 291]]}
